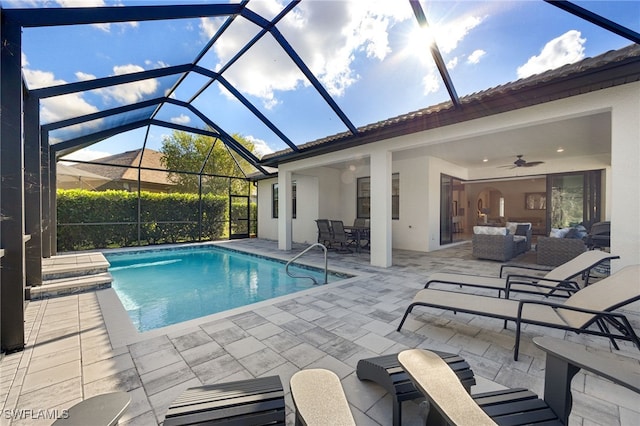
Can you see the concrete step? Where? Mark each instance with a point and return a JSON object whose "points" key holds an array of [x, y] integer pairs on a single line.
{"points": [[71, 285], [73, 265]]}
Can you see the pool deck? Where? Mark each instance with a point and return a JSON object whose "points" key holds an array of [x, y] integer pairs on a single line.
{"points": [[84, 344]]}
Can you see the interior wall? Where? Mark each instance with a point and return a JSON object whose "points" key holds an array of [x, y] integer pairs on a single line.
{"points": [[514, 198]]}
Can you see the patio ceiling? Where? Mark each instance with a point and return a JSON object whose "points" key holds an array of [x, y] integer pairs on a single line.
{"points": [[185, 88]]}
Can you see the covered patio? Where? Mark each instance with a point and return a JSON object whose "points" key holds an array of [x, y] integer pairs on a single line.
{"points": [[82, 345]]}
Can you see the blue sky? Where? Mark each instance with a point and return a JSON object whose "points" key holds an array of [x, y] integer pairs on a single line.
{"points": [[370, 56]]}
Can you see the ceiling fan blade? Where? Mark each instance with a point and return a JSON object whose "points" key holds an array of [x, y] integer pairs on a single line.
{"points": [[532, 163]]}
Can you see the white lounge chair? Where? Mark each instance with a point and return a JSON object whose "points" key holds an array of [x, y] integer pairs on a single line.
{"points": [[563, 277], [592, 305]]}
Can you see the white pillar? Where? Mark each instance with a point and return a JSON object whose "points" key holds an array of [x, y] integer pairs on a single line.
{"points": [[284, 209], [625, 175], [381, 250]]}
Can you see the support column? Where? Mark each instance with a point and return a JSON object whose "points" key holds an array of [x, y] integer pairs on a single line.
{"points": [[12, 276], [625, 173], [45, 193], [33, 194], [53, 202], [381, 243], [285, 210]]}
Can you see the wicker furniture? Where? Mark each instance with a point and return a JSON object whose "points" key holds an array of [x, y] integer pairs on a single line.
{"points": [[499, 244], [493, 247], [556, 251]]}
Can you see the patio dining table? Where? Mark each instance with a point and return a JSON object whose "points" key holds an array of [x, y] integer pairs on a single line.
{"points": [[358, 232]]}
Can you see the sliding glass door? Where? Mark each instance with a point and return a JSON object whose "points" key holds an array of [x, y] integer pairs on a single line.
{"points": [[446, 209], [575, 198]]}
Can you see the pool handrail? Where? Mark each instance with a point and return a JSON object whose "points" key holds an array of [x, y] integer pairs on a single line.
{"points": [[324, 248]]}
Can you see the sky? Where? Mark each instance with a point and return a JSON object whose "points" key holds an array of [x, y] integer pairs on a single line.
{"points": [[370, 56]]}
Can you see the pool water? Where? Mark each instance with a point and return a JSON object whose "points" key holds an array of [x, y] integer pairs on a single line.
{"points": [[164, 287]]}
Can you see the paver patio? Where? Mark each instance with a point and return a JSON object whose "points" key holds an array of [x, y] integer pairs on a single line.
{"points": [[82, 345]]}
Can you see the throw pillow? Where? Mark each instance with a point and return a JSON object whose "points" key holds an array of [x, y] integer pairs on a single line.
{"points": [[522, 230], [558, 233], [573, 233]]}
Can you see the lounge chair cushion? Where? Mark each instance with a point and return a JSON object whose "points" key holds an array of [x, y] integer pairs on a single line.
{"points": [[602, 297], [488, 306]]}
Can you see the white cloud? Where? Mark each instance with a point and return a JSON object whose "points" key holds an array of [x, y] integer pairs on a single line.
{"points": [[566, 49], [59, 107], [326, 34], [260, 147], [130, 92], [83, 76], [475, 56], [430, 83], [181, 119], [452, 63], [449, 35]]}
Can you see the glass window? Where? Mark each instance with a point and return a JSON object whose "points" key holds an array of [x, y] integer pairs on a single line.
{"points": [[364, 197], [274, 201], [293, 199], [395, 196]]}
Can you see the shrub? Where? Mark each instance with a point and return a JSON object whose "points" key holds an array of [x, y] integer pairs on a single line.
{"points": [[89, 220]]}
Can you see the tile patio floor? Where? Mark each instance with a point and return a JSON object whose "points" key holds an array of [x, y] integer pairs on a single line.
{"points": [[82, 345]]}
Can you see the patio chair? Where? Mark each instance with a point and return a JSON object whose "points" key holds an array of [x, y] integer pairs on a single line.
{"points": [[592, 305], [324, 232], [319, 399], [599, 236], [103, 409], [340, 236], [364, 235], [440, 385], [562, 277], [452, 405], [248, 402]]}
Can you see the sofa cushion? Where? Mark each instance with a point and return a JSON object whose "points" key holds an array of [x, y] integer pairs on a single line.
{"points": [[559, 232], [490, 230]]}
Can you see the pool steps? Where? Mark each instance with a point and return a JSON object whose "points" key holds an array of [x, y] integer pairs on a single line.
{"points": [[72, 273]]}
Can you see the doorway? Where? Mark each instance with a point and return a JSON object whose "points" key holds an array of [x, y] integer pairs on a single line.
{"points": [[452, 209], [575, 198]]}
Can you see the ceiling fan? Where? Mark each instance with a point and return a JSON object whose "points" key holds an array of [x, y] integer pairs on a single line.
{"points": [[520, 162]]}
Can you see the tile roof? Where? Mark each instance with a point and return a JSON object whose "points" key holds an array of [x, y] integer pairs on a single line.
{"points": [[609, 69], [150, 159]]}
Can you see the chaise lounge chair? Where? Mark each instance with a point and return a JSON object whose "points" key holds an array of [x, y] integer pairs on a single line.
{"points": [[561, 277], [592, 305], [452, 404]]}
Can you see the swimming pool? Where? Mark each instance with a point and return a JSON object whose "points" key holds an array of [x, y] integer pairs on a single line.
{"points": [[167, 286]]}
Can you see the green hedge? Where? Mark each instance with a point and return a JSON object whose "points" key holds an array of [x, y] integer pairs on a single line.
{"points": [[88, 219]]}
